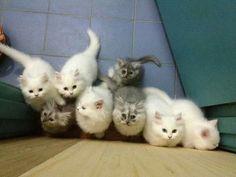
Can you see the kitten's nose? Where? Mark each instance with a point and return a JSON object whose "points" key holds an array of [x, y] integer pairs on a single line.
{"points": [[170, 137], [71, 93], [36, 95]]}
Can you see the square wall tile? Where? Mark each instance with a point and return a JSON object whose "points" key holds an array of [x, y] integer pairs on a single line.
{"points": [[113, 8], [162, 78], [150, 39], [179, 92], [29, 5], [81, 8], [25, 30], [147, 10], [66, 35], [56, 62], [115, 36], [104, 65]]}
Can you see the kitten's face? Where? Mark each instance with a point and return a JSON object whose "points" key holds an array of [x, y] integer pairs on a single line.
{"points": [[168, 127], [128, 70], [70, 85], [129, 114], [34, 88], [88, 109], [49, 117], [208, 135]]}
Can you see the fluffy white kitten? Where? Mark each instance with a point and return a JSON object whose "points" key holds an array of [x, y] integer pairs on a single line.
{"points": [[36, 82], [162, 128], [199, 132], [80, 71], [94, 110]]}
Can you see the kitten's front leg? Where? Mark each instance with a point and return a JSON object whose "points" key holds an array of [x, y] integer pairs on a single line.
{"points": [[59, 100], [99, 135]]}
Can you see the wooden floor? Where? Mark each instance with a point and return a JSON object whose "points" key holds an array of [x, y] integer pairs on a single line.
{"points": [[91, 158], [20, 155]]}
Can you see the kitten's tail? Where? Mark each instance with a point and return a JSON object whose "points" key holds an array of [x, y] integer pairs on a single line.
{"points": [[148, 58], [16, 55], [94, 45]]}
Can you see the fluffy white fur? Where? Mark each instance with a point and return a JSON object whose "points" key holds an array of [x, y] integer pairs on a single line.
{"points": [[94, 110], [199, 132], [134, 127], [80, 71], [163, 127], [36, 82]]}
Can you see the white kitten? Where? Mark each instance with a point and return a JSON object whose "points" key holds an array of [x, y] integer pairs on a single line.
{"points": [[36, 80], [162, 128], [199, 132], [80, 71], [94, 110]]}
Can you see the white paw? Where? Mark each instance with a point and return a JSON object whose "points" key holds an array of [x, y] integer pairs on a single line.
{"points": [[61, 102], [99, 135]]}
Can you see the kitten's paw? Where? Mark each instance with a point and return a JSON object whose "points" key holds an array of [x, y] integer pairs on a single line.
{"points": [[99, 135], [61, 102]]}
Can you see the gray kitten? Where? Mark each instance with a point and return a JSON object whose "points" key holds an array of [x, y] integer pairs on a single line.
{"points": [[129, 114], [130, 71], [57, 120]]}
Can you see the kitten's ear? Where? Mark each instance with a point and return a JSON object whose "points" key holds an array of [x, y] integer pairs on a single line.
{"points": [[58, 76], [45, 78], [99, 104], [22, 80], [76, 73], [179, 117], [158, 117], [205, 133], [121, 62], [213, 122], [136, 65]]}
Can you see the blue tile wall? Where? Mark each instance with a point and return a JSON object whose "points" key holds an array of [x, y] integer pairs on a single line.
{"points": [[56, 29], [81, 8]]}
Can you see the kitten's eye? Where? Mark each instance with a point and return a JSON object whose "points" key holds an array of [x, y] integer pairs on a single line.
{"points": [[74, 86], [131, 72], [40, 89], [45, 114], [50, 119], [132, 116], [31, 91], [123, 115], [123, 71], [83, 107], [164, 130], [174, 131], [65, 88]]}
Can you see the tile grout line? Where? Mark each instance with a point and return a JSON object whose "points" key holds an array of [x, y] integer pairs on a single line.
{"points": [[46, 28], [91, 14], [133, 32]]}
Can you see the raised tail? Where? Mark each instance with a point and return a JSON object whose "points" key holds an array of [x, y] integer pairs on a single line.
{"points": [[94, 44], [148, 58], [16, 55]]}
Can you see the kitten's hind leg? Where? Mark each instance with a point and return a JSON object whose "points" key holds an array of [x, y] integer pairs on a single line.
{"points": [[99, 135]]}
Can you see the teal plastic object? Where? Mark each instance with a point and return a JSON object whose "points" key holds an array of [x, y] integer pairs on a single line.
{"points": [[202, 38], [10, 92], [16, 117]]}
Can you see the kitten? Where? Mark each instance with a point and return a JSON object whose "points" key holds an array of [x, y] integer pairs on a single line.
{"points": [[80, 71], [163, 127], [56, 120], [199, 132], [36, 82], [129, 114], [94, 110], [130, 71]]}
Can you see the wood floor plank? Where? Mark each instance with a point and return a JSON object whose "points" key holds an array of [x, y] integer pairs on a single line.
{"points": [[89, 158], [21, 154]]}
